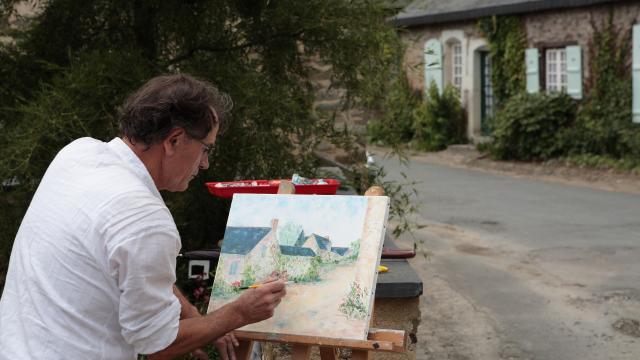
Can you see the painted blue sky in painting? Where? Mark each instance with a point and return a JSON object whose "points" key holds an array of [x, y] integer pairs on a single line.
{"points": [[339, 217]]}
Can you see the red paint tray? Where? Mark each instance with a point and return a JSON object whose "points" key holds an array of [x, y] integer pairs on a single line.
{"points": [[227, 189]]}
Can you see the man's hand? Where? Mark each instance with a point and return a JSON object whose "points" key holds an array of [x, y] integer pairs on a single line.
{"points": [[226, 346], [259, 304]]}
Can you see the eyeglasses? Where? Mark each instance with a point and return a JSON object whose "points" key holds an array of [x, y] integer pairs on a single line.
{"points": [[208, 148]]}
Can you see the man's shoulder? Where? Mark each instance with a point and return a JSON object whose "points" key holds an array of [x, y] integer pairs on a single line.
{"points": [[82, 146]]}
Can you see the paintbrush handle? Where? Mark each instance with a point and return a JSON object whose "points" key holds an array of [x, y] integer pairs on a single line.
{"points": [[253, 286]]}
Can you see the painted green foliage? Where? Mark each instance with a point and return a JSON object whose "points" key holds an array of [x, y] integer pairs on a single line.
{"points": [[288, 234], [355, 250], [353, 305]]}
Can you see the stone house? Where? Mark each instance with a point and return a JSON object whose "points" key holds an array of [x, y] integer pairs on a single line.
{"points": [[244, 246], [319, 244], [558, 35]]}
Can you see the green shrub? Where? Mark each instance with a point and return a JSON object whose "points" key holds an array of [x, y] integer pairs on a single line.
{"points": [[395, 123], [440, 120], [531, 126]]}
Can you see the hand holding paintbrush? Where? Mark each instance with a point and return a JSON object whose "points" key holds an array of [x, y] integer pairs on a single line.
{"points": [[256, 285], [275, 275]]}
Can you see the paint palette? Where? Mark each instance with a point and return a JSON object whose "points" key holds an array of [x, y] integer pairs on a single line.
{"points": [[227, 189]]}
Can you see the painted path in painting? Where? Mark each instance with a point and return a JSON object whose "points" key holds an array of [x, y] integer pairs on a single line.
{"points": [[320, 300]]}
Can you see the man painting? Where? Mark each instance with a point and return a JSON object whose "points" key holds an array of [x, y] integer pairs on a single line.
{"points": [[92, 269]]}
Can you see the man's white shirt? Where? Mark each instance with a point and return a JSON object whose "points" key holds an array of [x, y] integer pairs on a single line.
{"points": [[93, 263]]}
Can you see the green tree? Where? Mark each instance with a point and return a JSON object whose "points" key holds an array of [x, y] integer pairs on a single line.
{"points": [[67, 71], [289, 233]]}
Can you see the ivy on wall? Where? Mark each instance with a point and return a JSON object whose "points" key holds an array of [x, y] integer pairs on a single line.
{"points": [[507, 43], [604, 124]]}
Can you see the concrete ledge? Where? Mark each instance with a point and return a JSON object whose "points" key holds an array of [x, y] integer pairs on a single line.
{"points": [[401, 281]]}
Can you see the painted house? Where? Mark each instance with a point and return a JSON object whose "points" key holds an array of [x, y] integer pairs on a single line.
{"points": [[259, 245], [319, 244], [299, 260], [338, 253], [249, 245], [445, 45]]}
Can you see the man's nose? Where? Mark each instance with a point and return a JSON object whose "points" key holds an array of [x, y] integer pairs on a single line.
{"points": [[204, 162]]}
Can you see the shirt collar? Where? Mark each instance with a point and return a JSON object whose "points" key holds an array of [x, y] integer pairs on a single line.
{"points": [[125, 153]]}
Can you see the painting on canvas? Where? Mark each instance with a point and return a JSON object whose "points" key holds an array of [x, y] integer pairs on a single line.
{"points": [[329, 247]]}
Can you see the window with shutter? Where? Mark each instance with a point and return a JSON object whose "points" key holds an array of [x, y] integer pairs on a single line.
{"points": [[433, 64], [574, 71], [533, 77]]}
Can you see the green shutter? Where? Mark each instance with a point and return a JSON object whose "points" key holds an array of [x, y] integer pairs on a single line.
{"points": [[433, 64], [533, 79], [636, 74], [574, 71]]}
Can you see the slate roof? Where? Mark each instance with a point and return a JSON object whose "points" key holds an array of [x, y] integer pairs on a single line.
{"points": [[323, 242], [241, 240], [301, 239], [340, 250], [423, 12], [296, 251]]}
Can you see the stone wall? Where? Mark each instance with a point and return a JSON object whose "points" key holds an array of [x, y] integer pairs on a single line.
{"points": [[576, 26], [414, 39]]}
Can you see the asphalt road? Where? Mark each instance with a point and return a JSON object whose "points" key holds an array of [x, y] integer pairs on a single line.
{"points": [[523, 269]]}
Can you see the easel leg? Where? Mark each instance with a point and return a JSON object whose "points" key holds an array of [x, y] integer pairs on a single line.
{"points": [[300, 352], [243, 352], [328, 353]]}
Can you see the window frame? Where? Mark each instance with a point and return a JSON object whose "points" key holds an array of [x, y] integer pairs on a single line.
{"points": [[560, 70], [542, 59], [456, 45]]}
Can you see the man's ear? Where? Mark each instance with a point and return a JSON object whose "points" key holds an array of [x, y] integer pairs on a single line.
{"points": [[173, 139]]}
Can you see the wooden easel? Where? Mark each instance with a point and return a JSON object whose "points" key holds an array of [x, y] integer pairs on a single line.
{"points": [[377, 339]]}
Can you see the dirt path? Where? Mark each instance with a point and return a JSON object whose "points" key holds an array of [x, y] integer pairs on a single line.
{"points": [[321, 314]]}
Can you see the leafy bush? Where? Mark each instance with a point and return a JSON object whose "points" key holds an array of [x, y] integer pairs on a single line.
{"points": [[597, 133], [440, 120], [395, 123], [531, 126], [631, 165]]}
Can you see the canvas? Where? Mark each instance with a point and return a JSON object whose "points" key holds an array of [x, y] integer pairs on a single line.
{"points": [[329, 246]]}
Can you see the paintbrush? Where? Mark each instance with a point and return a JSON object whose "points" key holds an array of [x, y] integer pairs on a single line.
{"points": [[253, 286]]}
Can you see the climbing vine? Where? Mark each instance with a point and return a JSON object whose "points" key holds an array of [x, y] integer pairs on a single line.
{"points": [[507, 43], [604, 124]]}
